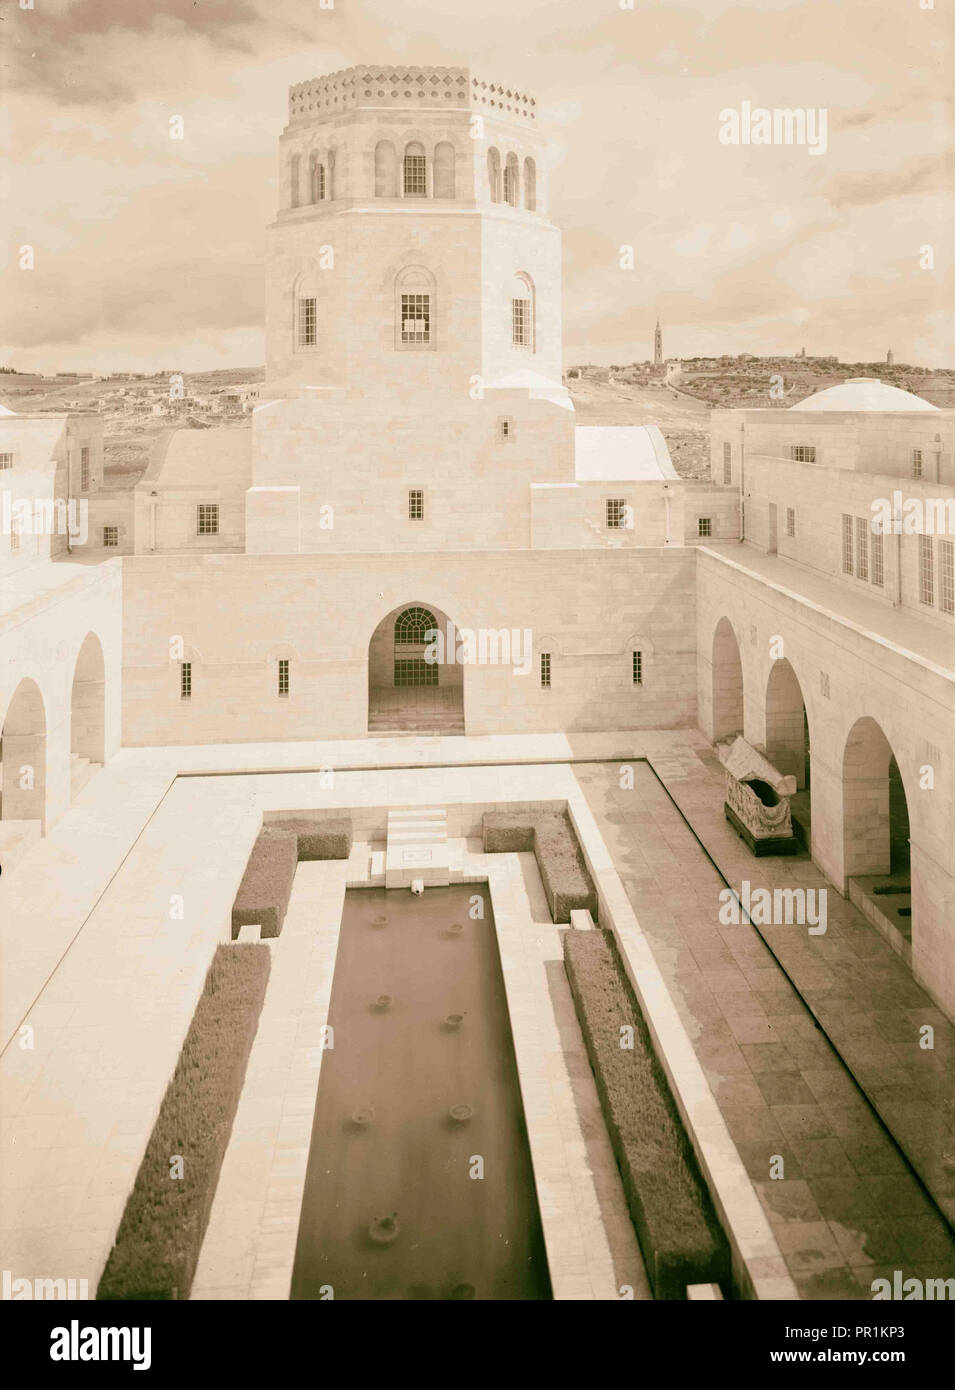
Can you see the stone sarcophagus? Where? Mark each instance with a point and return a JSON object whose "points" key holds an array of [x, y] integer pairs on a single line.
{"points": [[757, 799]]}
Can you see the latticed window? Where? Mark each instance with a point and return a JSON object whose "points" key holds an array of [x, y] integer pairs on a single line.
{"points": [[704, 526], [84, 469], [926, 570], [637, 668], [283, 676], [946, 576], [916, 463], [416, 185], [110, 536], [318, 183], [416, 318], [6, 460], [207, 519], [846, 544], [413, 625], [617, 512], [521, 322], [307, 322], [506, 427], [416, 504], [802, 453], [185, 680], [511, 183], [545, 670], [727, 463], [790, 521], [878, 562], [862, 547]]}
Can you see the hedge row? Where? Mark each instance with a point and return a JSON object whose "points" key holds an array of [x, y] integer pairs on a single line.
{"points": [[266, 885], [160, 1236], [679, 1234], [550, 835]]}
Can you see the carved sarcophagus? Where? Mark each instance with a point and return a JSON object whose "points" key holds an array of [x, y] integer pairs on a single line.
{"points": [[757, 799]]}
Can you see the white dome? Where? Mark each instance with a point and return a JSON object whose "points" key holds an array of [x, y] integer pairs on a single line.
{"points": [[864, 393]]}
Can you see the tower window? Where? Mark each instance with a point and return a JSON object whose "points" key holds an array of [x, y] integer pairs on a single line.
{"points": [[704, 526], [802, 453], [110, 536], [530, 185], [307, 322], [318, 182], [416, 504], [790, 521], [846, 544], [926, 571], [512, 182], [916, 463], [618, 513], [283, 677], [415, 176], [84, 469], [207, 519], [545, 670], [637, 669], [505, 428], [416, 318], [521, 322], [6, 460], [727, 463], [185, 680]]}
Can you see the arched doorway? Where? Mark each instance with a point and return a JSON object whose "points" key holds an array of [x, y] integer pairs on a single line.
{"points": [[415, 684], [23, 755], [727, 676], [87, 713], [876, 828], [787, 740]]}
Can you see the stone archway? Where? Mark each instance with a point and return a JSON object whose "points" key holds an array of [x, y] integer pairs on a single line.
{"points": [[787, 741], [23, 745], [875, 819], [415, 685], [727, 677], [87, 713]]}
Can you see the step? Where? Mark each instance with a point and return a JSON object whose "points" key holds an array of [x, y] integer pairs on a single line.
{"points": [[417, 847]]}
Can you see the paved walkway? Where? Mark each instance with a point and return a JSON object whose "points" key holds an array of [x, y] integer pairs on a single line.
{"points": [[848, 1209]]}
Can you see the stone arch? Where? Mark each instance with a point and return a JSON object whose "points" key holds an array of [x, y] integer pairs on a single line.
{"points": [[494, 174], [787, 723], [23, 753], [512, 181], [386, 170], [444, 169], [530, 184], [415, 682], [88, 703], [727, 682], [875, 815]]}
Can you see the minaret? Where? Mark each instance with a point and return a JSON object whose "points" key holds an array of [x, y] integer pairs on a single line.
{"points": [[658, 345], [889, 358]]}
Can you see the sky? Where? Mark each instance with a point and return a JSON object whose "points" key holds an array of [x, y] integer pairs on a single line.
{"points": [[149, 252]]}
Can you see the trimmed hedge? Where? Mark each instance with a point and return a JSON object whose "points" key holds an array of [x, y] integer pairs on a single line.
{"points": [[266, 886], [159, 1238], [679, 1234], [550, 834]]}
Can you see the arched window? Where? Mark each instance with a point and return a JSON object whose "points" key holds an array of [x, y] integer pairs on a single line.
{"points": [[415, 171], [305, 296], [494, 175], [293, 167], [444, 170], [522, 312], [386, 170], [414, 309], [331, 181], [512, 182], [530, 185], [317, 180], [412, 625]]}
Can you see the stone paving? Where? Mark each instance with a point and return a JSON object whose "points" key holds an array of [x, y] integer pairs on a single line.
{"points": [[848, 1209]]}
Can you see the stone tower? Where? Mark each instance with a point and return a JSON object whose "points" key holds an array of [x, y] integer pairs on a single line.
{"points": [[889, 358], [658, 345]]}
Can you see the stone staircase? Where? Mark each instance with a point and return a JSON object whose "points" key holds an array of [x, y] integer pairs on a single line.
{"points": [[417, 848]]}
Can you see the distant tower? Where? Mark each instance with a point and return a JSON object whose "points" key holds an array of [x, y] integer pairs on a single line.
{"points": [[889, 358], [803, 353], [658, 345]]}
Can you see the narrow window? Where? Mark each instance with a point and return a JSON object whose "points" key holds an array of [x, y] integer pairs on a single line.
{"points": [[416, 318], [185, 680], [416, 504], [6, 460], [878, 569], [926, 570], [207, 519], [84, 469], [638, 668], [545, 670], [530, 185], [862, 547], [506, 427], [521, 322], [415, 167], [846, 544], [283, 677], [307, 322], [444, 170], [802, 453], [512, 181], [617, 513], [916, 463], [293, 181], [727, 464], [946, 576], [704, 526], [790, 521], [318, 183], [110, 536]]}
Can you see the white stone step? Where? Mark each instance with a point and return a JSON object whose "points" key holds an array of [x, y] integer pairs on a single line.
{"points": [[417, 847]]}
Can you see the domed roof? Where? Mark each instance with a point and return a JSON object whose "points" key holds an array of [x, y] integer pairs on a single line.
{"points": [[864, 393]]}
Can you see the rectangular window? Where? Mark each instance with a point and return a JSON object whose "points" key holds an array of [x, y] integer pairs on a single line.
{"points": [[846, 544], [6, 460], [545, 670], [946, 576], [84, 469], [207, 519], [878, 566], [110, 535], [416, 318], [638, 668], [308, 322], [802, 453], [415, 176], [506, 425], [926, 570], [790, 521], [283, 676], [862, 547], [704, 526], [617, 512], [916, 463], [185, 680], [521, 322], [416, 504], [727, 463]]}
